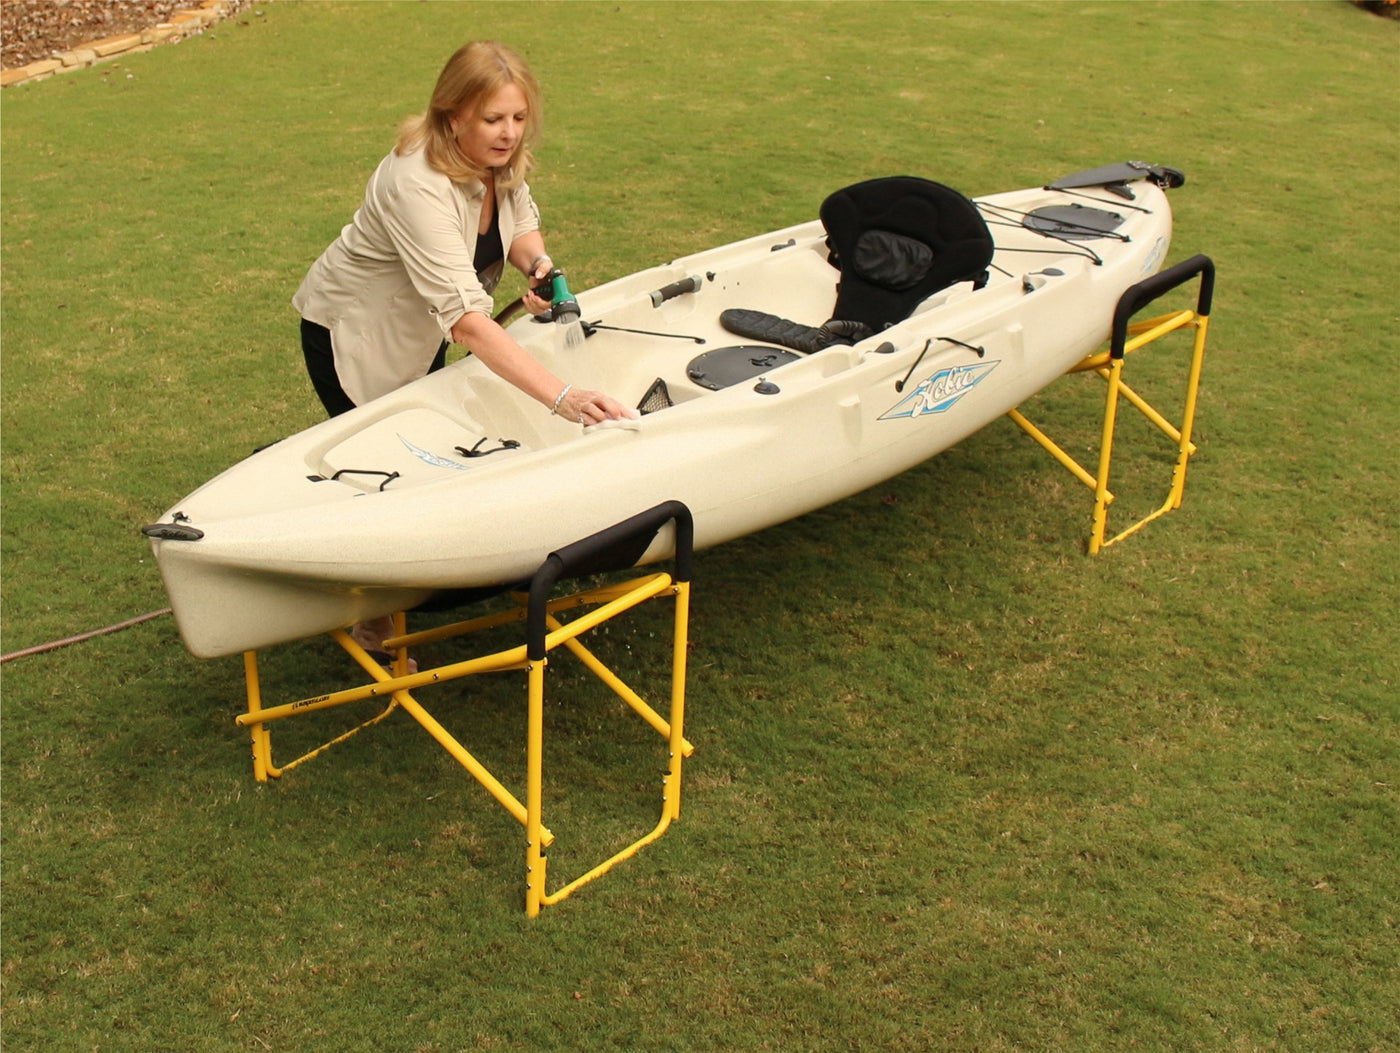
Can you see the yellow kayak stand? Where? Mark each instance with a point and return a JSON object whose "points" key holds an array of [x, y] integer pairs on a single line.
{"points": [[617, 547], [623, 545], [1128, 337]]}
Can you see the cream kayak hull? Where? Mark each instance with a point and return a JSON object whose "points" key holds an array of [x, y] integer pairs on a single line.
{"points": [[376, 510]]}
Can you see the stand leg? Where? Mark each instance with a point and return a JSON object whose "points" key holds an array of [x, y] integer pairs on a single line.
{"points": [[262, 738], [672, 804], [534, 783]]}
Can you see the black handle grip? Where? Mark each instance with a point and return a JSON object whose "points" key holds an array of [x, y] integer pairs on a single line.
{"points": [[670, 292], [545, 289], [612, 548], [1138, 296]]}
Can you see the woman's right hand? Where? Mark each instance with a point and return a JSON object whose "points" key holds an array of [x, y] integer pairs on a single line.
{"points": [[508, 360], [592, 407]]}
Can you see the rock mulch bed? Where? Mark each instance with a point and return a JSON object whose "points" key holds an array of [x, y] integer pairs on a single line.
{"points": [[43, 38]]}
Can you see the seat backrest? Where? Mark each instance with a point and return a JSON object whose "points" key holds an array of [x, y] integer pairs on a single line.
{"points": [[899, 240]]}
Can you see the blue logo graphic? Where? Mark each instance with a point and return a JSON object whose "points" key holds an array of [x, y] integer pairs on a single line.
{"points": [[428, 457], [1154, 258], [938, 393]]}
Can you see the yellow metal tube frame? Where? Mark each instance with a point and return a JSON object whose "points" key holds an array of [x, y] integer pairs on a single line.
{"points": [[535, 895], [396, 687], [1109, 366]]}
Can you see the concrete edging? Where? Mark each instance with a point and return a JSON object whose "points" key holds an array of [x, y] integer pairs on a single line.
{"points": [[186, 23]]}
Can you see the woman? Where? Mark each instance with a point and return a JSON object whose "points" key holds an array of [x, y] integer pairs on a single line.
{"points": [[415, 268]]}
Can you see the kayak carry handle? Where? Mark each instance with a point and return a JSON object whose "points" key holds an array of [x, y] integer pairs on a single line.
{"points": [[670, 292], [1138, 296], [612, 548]]}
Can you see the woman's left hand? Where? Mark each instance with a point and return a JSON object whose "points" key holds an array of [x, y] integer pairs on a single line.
{"points": [[534, 303]]}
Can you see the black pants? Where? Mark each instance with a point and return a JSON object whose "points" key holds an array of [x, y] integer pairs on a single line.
{"points": [[320, 366]]}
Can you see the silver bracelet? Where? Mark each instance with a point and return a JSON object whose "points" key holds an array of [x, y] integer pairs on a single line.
{"points": [[534, 264], [554, 410]]}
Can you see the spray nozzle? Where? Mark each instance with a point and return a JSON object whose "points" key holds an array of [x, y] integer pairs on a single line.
{"points": [[555, 288]]}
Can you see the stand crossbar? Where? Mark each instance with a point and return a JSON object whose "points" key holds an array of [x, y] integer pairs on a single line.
{"points": [[617, 547], [1109, 366]]}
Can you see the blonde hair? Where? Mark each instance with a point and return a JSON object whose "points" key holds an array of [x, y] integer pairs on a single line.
{"points": [[471, 77]]}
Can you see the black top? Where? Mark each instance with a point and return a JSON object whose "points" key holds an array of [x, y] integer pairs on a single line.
{"points": [[488, 246]]}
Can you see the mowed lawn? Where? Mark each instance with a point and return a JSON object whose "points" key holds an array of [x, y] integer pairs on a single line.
{"points": [[958, 785]]}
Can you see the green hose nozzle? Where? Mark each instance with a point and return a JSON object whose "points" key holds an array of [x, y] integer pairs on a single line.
{"points": [[565, 307]]}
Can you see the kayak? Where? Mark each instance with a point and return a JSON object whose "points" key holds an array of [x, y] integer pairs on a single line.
{"points": [[773, 376]]}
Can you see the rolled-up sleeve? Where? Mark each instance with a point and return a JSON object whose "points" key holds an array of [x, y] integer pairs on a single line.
{"points": [[525, 213], [427, 229]]}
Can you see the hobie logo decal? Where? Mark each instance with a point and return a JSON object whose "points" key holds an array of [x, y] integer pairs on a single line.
{"points": [[428, 457], [1154, 258], [939, 392]]}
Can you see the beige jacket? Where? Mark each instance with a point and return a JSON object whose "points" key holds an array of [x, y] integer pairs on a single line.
{"points": [[401, 274]]}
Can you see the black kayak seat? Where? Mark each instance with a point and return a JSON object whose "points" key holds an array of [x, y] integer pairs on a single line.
{"points": [[896, 240]]}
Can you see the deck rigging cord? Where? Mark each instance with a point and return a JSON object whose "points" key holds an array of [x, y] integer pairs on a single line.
{"points": [[1078, 250], [589, 327], [1104, 201], [1004, 216], [389, 477], [1067, 226], [981, 353]]}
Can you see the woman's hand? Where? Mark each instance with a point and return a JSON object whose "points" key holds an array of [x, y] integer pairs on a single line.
{"points": [[533, 302], [536, 305], [592, 407], [511, 362]]}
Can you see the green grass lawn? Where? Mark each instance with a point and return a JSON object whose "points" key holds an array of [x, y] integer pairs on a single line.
{"points": [[958, 785]]}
